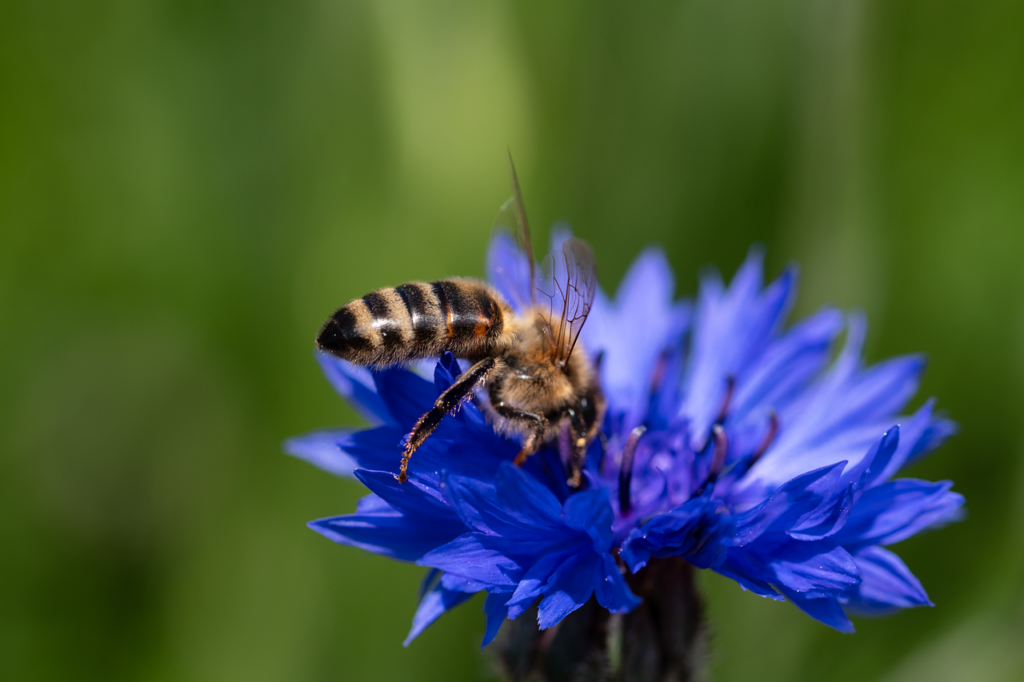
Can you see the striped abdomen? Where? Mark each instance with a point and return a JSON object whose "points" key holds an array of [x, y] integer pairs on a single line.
{"points": [[418, 320]]}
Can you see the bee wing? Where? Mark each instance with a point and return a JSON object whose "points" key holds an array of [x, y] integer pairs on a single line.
{"points": [[574, 283]]}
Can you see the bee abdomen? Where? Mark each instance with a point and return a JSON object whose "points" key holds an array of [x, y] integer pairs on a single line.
{"points": [[417, 320]]}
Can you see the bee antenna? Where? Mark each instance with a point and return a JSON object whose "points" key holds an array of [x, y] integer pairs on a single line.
{"points": [[524, 224]]}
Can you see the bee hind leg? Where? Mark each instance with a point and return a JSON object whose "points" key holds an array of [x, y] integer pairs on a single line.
{"points": [[449, 401], [579, 440]]}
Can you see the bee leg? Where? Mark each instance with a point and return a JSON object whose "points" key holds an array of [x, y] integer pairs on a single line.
{"points": [[579, 440], [449, 401], [531, 446], [537, 422]]}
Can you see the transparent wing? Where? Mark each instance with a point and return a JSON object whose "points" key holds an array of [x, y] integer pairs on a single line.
{"points": [[574, 285]]}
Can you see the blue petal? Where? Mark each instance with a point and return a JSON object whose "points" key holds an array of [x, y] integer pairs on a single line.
{"points": [[633, 332], [461, 583], [874, 464], [533, 583], [473, 499], [569, 588], [486, 559], [913, 435], [874, 393], [730, 330], [591, 512], [371, 504], [884, 388], [321, 449], [737, 566], [388, 533], [894, 511], [929, 432], [938, 431], [436, 602], [812, 567], [456, 449], [508, 269], [516, 504], [411, 498], [376, 449], [430, 579], [445, 372], [839, 417], [453, 447], [886, 584], [826, 610], [792, 504], [497, 612], [407, 396], [356, 385], [693, 531], [788, 363], [827, 519], [526, 500], [612, 592]]}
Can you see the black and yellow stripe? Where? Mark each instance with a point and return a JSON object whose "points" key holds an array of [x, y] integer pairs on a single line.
{"points": [[418, 320]]}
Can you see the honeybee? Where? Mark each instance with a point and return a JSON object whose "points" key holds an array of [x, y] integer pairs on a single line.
{"points": [[539, 381]]}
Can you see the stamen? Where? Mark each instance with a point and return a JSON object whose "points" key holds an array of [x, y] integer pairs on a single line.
{"points": [[718, 460], [769, 438], [604, 452], [729, 386], [658, 375], [626, 469]]}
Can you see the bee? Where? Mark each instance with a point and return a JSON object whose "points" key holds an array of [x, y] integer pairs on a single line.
{"points": [[538, 380]]}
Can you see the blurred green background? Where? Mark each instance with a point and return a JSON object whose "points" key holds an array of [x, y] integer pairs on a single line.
{"points": [[188, 188]]}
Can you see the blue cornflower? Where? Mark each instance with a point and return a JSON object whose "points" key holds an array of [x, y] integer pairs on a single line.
{"points": [[729, 441]]}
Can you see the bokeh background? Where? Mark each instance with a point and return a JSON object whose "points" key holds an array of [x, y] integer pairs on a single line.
{"points": [[188, 188]]}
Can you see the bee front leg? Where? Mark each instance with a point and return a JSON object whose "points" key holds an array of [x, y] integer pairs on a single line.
{"points": [[537, 424], [449, 401]]}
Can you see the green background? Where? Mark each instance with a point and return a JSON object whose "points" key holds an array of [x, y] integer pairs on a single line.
{"points": [[188, 188]]}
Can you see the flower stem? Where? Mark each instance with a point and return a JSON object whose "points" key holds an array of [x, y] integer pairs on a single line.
{"points": [[661, 640]]}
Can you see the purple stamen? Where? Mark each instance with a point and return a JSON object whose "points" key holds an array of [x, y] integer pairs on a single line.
{"points": [[769, 438], [718, 460], [626, 468], [730, 385]]}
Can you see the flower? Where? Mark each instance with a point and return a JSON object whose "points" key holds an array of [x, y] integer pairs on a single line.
{"points": [[729, 440]]}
